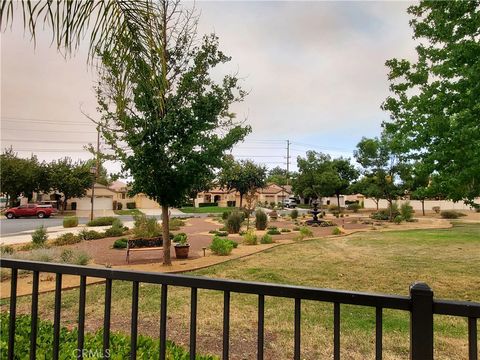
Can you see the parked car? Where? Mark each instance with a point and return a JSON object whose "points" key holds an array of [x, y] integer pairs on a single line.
{"points": [[40, 211], [290, 203]]}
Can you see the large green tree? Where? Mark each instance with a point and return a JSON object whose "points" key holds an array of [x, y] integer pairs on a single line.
{"points": [[435, 101], [22, 176], [163, 114], [346, 174], [278, 176], [316, 176], [381, 167], [243, 176], [70, 178]]}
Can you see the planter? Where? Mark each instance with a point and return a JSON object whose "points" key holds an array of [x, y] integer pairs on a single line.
{"points": [[181, 251]]}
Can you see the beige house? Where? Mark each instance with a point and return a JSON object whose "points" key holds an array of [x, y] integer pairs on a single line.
{"points": [[224, 198]]}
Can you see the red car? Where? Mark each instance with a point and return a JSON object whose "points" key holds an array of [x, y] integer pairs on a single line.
{"points": [[40, 211]]}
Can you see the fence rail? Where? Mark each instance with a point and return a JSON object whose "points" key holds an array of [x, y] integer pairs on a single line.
{"points": [[420, 304]]}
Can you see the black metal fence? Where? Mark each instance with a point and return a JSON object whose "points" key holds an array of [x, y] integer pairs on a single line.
{"points": [[420, 304]]}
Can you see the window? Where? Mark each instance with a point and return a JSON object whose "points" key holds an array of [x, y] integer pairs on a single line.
{"points": [[123, 195]]}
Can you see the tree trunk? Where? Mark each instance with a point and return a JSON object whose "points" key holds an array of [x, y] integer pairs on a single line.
{"points": [[390, 207], [376, 202], [423, 207], [241, 200], [338, 201], [65, 204], [166, 236]]}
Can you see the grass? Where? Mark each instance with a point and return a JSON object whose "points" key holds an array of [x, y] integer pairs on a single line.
{"points": [[128, 212], [386, 262], [205, 210]]}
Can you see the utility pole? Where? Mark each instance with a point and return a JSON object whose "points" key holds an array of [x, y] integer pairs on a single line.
{"points": [[288, 158], [94, 172]]}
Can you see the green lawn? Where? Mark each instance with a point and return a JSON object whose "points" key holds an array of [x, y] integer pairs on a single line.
{"points": [[386, 262], [128, 212], [205, 210]]}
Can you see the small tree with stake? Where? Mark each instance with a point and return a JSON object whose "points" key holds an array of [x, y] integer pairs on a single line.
{"points": [[164, 116]]}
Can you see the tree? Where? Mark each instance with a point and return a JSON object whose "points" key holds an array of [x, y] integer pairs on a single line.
{"points": [[19, 176], [103, 177], [368, 186], [72, 179], [278, 176], [381, 166], [316, 176], [346, 174], [163, 115], [243, 176], [434, 106]]}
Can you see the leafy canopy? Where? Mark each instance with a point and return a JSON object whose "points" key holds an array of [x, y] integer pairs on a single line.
{"points": [[434, 105]]}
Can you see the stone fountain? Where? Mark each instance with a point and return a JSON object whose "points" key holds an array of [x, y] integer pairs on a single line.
{"points": [[315, 213]]}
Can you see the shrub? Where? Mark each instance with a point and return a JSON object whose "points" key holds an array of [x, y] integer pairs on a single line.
{"points": [[336, 231], [221, 233], [221, 246], [296, 228], [120, 243], [261, 220], [66, 256], [44, 255], [250, 238], [175, 224], [102, 221], [207, 204], [67, 239], [273, 232], [381, 215], [39, 237], [119, 206], [306, 232], [85, 234], [406, 211], [82, 258], [285, 230], [266, 239], [294, 214], [70, 221], [234, 243], [326, 223], [131, 205], [6, 249], [398, 219], [393, 210], [226, 214], [234, 222], [114, 231], [354, 207], [436, 209], [146, 227], [449, 214]]}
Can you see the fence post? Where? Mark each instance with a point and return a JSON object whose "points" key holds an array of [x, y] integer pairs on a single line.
{"points": [[421, 322]]}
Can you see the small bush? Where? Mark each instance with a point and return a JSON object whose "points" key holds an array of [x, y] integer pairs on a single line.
{"points": [[6, 249], [285, 230], [180, 239], [306, 232], [114, 231], [226, 214], [120, 243], [234, 222], [102, 221], [273, 232], [436, 209], [131, 205], [336, 231], [119, 206], [449, 214], [327, 223], [66, 256], [261, 220], [212, 232], [85, 234], [146, 227], [70, 221], [250, 238], [381, 215], [234, 243], [398, 219], [296, 228], [207, 204], [175, 224], [82, 258], [406, 211], [354, 207], [39, 237], [43, 255], [66, 239], [221, 233], [294, 214], [266, 239], [221, 246]]}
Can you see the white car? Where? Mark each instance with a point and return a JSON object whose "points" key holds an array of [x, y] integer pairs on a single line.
{"points": [[290, 203]]}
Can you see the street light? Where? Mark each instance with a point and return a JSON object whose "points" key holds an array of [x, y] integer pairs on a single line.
{"points": [[93, 171]]}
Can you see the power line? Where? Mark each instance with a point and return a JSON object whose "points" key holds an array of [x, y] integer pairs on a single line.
{"points": [[50, 131]]}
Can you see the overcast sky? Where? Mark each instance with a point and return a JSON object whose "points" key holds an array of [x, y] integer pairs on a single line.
{"points": [[314, 71]]}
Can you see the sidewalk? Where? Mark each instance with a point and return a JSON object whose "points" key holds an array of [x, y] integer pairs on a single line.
{"points": [[52, 232]]}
